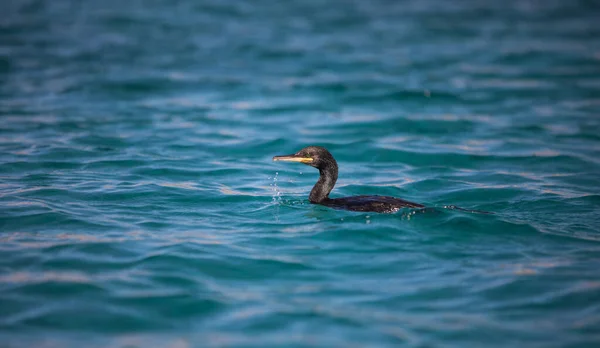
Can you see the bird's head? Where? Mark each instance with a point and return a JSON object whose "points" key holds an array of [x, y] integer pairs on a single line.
{"points": [[314, 156]]}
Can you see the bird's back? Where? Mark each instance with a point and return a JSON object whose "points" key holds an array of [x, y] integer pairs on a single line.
{"points": [[380, 204]]}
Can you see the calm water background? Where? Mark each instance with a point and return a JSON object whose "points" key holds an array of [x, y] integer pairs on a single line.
{"points": [[139, 205]]}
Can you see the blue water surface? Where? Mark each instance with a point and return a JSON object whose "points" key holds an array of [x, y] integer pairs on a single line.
{"points": [[139, 206]]}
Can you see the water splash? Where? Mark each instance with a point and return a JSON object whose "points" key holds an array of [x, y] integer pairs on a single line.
{"points": [[453, 207], [276, 197]]}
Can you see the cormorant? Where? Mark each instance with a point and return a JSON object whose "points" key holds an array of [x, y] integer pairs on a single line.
{"points": [[320, 158]]}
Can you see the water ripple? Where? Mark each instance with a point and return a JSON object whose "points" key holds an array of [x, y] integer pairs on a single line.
{"points": [[139, 205]]}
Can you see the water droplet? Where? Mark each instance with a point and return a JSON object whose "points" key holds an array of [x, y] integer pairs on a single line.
{"points": [[276, 193]]}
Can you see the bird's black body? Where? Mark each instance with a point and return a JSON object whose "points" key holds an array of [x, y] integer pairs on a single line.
{"points": [[321, 159], [380, 204]]}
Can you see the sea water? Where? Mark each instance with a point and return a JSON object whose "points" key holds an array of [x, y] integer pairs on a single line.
{"points": [[139, 206]]}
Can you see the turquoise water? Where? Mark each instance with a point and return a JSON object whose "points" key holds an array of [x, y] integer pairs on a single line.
{"points": [[139, 206]]}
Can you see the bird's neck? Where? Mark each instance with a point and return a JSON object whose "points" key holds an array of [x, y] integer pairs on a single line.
{"points": [[327, 178]]}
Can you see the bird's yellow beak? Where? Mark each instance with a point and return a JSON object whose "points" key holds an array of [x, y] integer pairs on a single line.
{"points": [[293, 158]]}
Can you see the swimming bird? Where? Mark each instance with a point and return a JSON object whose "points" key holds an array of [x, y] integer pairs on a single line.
{"points": [[320, 158]]}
